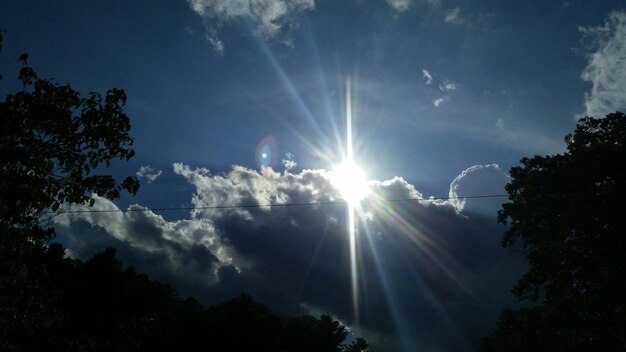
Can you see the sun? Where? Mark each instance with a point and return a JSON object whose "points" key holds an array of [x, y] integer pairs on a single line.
{"points": [[351, 182]]}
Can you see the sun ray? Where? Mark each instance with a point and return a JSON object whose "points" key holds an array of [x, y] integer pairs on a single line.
{"points": [[386, 287], [351, 183], [351, 217], [353, 262], [427, 246]]}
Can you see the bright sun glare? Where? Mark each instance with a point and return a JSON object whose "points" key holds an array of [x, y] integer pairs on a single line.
{"points": [[351, 182]]}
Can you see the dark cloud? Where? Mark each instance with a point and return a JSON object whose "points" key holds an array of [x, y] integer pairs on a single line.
{"points": [[428, 276]]}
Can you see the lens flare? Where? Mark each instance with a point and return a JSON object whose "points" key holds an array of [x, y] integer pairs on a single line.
{"points": [[266, 152]]}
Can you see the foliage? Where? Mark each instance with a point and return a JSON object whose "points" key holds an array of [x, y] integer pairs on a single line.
{"points": [[100, 306], [566, 214], [309, 334], [358, 345], [51, 145]]}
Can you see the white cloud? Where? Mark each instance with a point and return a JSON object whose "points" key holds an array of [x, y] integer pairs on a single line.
{"points": [[399, 5], [500, 123], [288, 162], [437, 102], [149, 173], [459, 203], [606, 66], [428, 76], [215, 42], [269, 16], [447, 86], [453, 15]]}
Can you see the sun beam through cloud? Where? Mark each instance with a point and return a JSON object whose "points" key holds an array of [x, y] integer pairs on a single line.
{"points": [[352, 184]]}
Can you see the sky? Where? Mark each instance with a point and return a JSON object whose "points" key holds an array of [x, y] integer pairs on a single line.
{"points": [[245, 102]]}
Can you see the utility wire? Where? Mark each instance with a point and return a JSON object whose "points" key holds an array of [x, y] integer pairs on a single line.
{"points": [[243, 206]]}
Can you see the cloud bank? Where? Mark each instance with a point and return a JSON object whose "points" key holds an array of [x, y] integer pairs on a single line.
{"points": [[605, 68], [428, 277]]}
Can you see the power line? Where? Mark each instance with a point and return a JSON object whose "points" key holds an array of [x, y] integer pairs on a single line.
{"points": [[243, 206]]}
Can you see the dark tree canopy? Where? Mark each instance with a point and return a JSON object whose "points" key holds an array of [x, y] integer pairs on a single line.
{"points": [[358, 345], [52, 143], [309, 334], [99, 305], [566, 214]]}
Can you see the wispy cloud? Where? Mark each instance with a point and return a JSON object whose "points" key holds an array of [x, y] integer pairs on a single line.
{"points": [[437, 102], [606, 64], [447, 86], [269, 16], [429, 78], [212, 37], [149, 173], [399, 5], [453, 15]]}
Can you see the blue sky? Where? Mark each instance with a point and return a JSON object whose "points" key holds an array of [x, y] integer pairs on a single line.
{"points": [[438, 87]]}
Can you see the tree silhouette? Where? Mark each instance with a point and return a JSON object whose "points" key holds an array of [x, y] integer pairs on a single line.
{"points": [[358, 345], [307, 333], [99, 305], [53, 143], [566, 214]]}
